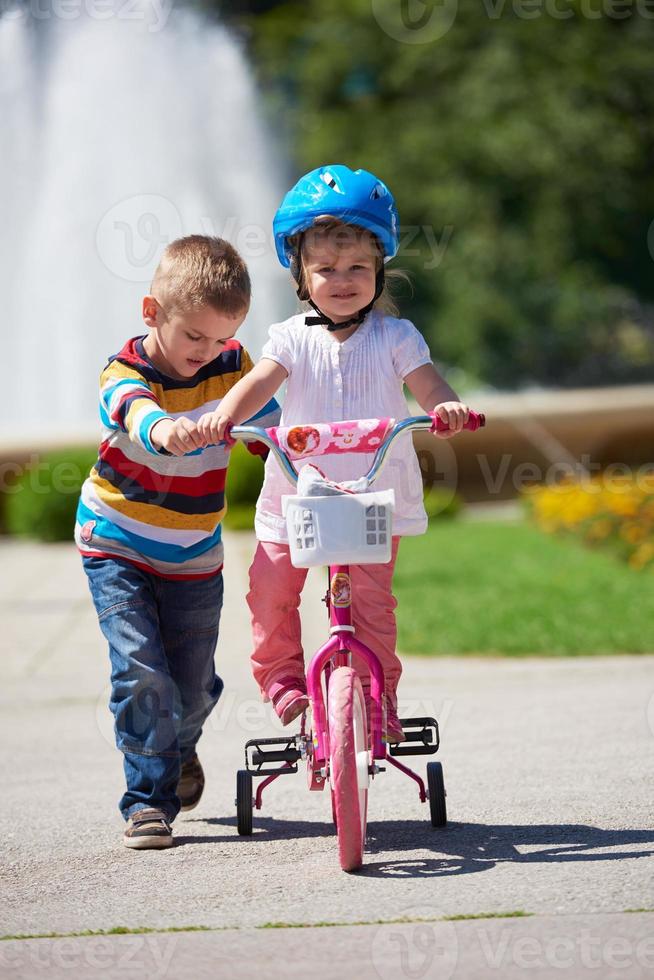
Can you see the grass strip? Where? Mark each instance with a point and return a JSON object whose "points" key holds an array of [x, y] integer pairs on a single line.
{"points": [[403, 920], [330, 925], [518, 914], [139, 930], [116, 931], [497, 588]]}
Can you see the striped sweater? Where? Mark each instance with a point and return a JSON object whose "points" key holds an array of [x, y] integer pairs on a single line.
{"points": [[161, 513]]}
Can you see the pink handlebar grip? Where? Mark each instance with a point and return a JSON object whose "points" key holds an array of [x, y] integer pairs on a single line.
{"points": [[227, 435], [476, 420]]}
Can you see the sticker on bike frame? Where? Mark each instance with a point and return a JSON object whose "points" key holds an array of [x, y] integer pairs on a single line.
{"points": [[341, 590]]}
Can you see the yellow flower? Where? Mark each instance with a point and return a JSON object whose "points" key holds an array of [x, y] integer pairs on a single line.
{"points": [[599, 529], [633, 533], [642, 555], [600, 508]]}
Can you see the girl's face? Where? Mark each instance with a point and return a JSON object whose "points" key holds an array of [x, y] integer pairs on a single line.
{"points": [[340, 270]]}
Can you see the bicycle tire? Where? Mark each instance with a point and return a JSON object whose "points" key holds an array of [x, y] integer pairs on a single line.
{"points": [[348, 767], [244, 804]]}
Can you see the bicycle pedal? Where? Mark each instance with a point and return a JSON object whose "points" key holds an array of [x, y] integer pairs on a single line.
{"points": [[260, 759], [421, 737]]}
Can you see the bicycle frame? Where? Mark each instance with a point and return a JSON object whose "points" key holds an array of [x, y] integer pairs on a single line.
{"points": [[339, 648], [342, 642]]}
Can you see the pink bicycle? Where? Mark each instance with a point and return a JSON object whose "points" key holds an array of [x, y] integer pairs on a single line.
{"points": [[340, 748]]}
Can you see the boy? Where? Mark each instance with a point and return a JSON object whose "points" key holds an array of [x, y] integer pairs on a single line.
{"points": [[148, 525]]}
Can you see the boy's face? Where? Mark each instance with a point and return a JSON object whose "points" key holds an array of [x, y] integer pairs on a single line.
{"points": [[340, 272], [180, 344]]}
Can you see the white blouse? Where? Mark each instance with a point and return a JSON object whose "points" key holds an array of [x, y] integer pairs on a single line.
{"points": [[330, 381]]}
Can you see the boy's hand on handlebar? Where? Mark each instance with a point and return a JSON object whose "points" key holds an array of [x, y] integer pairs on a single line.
{"points": [[211, 427], [454, 415], [176, 436]]}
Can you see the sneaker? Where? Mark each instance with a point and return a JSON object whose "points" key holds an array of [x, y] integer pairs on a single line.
{"points": [[191, 783], [394, 732], [289, 704], [148, 828]]}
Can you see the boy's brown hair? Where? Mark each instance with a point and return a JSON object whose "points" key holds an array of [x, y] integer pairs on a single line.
{"points": [[201, 270]]}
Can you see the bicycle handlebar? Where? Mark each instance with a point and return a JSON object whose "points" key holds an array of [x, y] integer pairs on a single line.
{"points": [[269, 437]]}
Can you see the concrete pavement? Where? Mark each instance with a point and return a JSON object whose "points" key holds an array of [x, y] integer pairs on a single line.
{"points": [[548, 765], [606, 946]]}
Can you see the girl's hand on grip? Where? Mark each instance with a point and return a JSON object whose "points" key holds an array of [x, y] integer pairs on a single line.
{"points": [[212, 427], [454, 415]]}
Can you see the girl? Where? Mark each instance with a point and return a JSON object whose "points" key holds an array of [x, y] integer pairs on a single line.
{"points": [[347, 359]]}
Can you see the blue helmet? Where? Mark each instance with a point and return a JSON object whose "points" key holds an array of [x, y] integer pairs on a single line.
{"points": [[355, 197]]}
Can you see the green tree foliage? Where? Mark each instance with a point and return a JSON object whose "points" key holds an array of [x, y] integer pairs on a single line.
{"points": [[519, 146]]}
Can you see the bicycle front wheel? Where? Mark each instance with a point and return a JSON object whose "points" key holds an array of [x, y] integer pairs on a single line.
{"points": [[348, 765]]}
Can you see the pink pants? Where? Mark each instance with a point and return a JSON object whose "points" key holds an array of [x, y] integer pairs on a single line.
{"points": [[274, 598]]}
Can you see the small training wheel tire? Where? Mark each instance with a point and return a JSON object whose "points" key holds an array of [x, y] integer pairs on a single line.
{"points": [[244, 802], [436, 788]]}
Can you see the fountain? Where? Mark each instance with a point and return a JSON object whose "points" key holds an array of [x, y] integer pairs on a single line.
{"points": [[123, 126]]}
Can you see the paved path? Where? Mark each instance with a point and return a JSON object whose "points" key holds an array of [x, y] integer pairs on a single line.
{"points": [[610, 947], [548, 765]]}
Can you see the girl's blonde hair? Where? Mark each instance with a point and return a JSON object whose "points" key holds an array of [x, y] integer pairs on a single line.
{"points": [[338, 233]]}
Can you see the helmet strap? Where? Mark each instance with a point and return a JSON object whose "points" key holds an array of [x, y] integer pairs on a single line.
{"points": [[323, 320]]}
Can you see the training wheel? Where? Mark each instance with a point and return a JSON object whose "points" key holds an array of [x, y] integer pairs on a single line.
{"points": [[244, 802], [436, 788]]}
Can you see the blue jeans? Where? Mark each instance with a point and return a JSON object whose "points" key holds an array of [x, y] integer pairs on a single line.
{"points": [[162, 638]]}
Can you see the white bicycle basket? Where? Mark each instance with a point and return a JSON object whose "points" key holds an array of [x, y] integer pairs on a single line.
{"points": [[344, 529]]}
